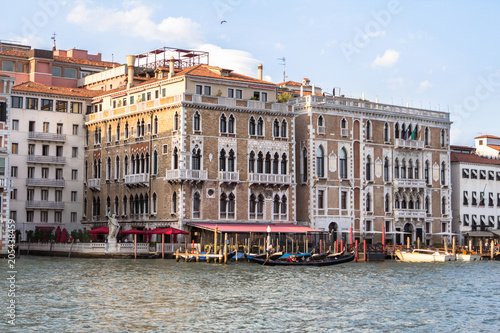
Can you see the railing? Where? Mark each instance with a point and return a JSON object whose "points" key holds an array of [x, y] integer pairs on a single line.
{"points": [[415, 144], [41, 204], [94, 183], [4, 182], [99, 247], [409, 213], [321, 129], [46, 159], [46, 136], [269, 178], [232, 176], [411, 183], [369, 105], [137, 178], [45, 182], [186, 174]]}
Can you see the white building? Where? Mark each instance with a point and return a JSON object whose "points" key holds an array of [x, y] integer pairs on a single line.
{"points": [[476, 193], [6, 84], [47, 160]]}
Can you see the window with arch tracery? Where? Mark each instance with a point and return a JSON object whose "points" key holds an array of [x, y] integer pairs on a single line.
{"points": [[343, 163]]}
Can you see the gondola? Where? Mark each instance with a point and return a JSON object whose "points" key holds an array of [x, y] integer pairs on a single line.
{"points": [[334, 260]]}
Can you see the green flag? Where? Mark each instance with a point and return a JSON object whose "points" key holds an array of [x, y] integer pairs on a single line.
{"points": [[413, 134]]}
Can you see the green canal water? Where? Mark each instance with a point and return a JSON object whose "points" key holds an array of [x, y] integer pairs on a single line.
{"points": [[117, 295]]}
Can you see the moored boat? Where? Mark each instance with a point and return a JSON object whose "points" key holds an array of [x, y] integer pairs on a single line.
{"points": [[423, 255], [291, 260], [468, 256]]}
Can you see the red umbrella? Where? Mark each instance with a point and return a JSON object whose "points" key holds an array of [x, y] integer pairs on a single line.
{"points": [[94, 237], [100, 231], [64, 236], [174, 231], [58, 234], [132, 232], [158, 231]]}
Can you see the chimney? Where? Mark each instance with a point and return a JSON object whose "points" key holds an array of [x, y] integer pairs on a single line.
{"points": [[130, 70], [259, 72], [171, 68]]}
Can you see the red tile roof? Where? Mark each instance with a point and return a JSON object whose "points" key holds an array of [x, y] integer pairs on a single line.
{"points": [[87, 62], [289, 83], [211, 72], [15, 53], [472, 158], [487, 136], [42, 88], [496, 147]]}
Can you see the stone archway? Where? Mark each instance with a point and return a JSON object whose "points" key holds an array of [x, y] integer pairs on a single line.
{"points": [[332, 230], [408, 229]]}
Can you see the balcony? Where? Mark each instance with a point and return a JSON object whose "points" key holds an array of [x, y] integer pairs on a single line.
{"points": [[94, 184], [409, 183], [229, 176], [42, 204], [45, 182], [4, 183], [140, 179], [344, 132], [186, 174], [265, 178], [410, 144], [321, 130], [409, 213], [42, 136], [46, 159]]}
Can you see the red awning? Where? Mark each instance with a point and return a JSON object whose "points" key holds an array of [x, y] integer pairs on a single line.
{"points": [[100, 230], [168, 231], [289, 228], [132, 232]]}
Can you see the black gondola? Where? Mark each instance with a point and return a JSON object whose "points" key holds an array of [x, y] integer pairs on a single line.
{"points": [[330, 260]]}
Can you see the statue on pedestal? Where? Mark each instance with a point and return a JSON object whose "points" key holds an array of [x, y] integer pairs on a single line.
{"points": [[113, 226]]}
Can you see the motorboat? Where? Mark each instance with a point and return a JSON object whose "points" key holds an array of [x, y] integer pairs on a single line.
{"points": [[468, 256], [423, 255]]}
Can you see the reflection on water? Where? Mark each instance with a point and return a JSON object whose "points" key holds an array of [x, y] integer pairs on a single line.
{"points": [[118, 295]]}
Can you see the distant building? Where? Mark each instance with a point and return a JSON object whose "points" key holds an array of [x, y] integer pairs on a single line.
{"points": [[476, 191], [370, 167], [6, 84], [488, 146]]}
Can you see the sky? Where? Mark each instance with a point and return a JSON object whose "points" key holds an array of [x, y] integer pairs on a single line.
{"points": [[439, 55]]}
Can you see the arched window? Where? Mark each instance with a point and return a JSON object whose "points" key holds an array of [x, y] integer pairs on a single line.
{"points": [[222, 160], [118, 132], [276, 163], [196, 159], [283, 207], [196, 122], [403, 132], [443, 138], [125, 201], [417, 169], [174, 202], [223, 206], [320, 162], [117, 167], [132, 205], [260, 127], [126, 130], [403, 203], [251, 126], [368, 130], [155, 162], [251, 162], [109, 133], [396, 202], [222, 123], [427, 207], [260, 207], [321, 121], [117, 206], [443, 173], [396, 168], [230, 161], [386, 132], [368, 202], [368, 168], [396, 131], [304, 164], [175, 159], [343, 163], [403, 169], [196, 205], [125, 165], [410, 169], [108, 205], [252, 206], [231, 206], [142, 128], [230, 124], [155, 125], [260, 163], [443, 205], [109, 173], [343, 123], [386, 169], [154, 203], [276, 128], [176, 122], [276, 207], [427, 137], [417, 203], [410, 204], [387, 203], [283, 129], [138, 129], [283, 164], [268, 163], [426, 172]]}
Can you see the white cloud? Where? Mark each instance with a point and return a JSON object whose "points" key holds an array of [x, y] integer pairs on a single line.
{"points": [[135, 19], [389, 59], [424, 85]]}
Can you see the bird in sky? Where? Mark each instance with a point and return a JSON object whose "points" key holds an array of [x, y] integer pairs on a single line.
{"points": [[223, 21]]}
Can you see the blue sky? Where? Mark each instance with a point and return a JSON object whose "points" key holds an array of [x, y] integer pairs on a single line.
{"points": [[431, 54]]}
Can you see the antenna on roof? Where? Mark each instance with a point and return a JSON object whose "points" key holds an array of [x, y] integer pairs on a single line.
{"points": [[283, 62], [54, 39]]}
